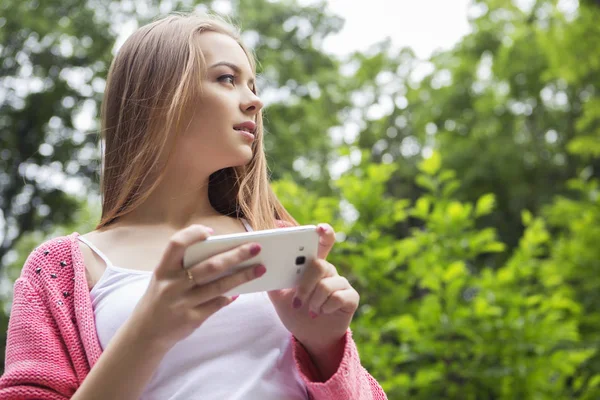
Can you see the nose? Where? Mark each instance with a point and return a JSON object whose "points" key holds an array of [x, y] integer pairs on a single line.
{"points": [[251, 104]]}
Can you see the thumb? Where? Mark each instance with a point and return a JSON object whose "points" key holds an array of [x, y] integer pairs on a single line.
{"points": [[326, 240], [282, 294]]}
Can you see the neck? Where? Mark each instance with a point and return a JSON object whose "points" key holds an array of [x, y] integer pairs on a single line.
{"points": [[178, 201]]}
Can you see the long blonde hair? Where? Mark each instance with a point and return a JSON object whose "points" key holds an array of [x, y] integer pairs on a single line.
{"points": [[149, 93]]}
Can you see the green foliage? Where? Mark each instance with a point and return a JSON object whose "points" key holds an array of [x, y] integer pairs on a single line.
{"points": [[513, 108], [575, 262], [433, 323], [478, 266], [46, 48]]}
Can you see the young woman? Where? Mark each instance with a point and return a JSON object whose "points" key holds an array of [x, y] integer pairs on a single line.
{"points": [[113, 315]]}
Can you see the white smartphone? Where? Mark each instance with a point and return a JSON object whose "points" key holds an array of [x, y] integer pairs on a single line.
{"points": [[285, 252]]}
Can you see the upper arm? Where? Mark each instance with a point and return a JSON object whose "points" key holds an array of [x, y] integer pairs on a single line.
{"points": [[37, 363]]}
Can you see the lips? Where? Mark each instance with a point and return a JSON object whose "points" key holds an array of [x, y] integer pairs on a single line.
{"points": [[248, 126]]}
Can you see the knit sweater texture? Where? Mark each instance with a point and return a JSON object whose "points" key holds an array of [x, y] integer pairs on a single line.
{"points": [[52, 342]]}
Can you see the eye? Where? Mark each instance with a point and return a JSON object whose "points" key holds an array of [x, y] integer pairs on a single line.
{"points": [[228, 78]]}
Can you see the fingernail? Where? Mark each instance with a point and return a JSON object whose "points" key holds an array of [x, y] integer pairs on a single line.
{"points": [[255, 249], [297, 303], [235, 297], [313, 315], [322, 229], [259, 271], [210, 230]]}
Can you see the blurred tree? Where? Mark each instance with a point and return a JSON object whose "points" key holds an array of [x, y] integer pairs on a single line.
{"points": [[52, 53], [55, 59], [504, 106]]}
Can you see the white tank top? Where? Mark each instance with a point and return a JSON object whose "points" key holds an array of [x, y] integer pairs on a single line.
{"points": [[241, 352]]}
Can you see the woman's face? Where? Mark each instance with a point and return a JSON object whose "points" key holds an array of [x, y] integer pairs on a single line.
{"points": [[220, 134]]}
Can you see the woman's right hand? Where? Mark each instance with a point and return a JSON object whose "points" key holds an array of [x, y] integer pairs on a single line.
{"points": [[175, 305]]}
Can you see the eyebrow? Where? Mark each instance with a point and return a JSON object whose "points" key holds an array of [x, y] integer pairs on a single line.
{"points": [[234, 67]]}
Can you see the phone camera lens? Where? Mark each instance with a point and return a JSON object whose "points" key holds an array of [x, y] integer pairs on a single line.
{"points": [[300, 260]]}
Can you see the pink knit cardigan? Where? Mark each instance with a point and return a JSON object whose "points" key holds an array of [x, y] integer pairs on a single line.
{"points": [[52, 342]]}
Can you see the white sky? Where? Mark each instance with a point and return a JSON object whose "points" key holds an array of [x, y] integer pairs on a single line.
{"points": [[423, 25]]}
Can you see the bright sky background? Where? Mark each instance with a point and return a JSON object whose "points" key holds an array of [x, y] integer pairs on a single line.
{"points": [[424, 25]]}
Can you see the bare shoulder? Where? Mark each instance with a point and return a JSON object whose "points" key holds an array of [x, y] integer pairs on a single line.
{"points": [[126, 247], [105, 242], [94, 265]]}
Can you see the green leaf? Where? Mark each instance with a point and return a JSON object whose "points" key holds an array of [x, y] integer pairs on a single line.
{"points": [[594, 382], [458, 211], [421, 208], [426, 182], [485, 205], [406, 326], [526, 217], [431, 165], [455, 270], [493, 247], [427, 376]]}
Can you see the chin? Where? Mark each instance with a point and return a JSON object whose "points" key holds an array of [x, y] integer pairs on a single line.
{"points": [[243, 157], [248, 156]]}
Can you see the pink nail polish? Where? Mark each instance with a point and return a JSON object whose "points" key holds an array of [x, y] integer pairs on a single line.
{"points": [[313, 315], [296, 303], [255, 249], [235, 297], [259, 271]]}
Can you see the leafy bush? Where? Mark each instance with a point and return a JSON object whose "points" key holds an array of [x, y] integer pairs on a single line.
{"points": [[435, 321]]}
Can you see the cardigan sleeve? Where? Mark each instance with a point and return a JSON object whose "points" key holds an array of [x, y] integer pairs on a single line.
{"points": [[37, 364], [350, 382]]}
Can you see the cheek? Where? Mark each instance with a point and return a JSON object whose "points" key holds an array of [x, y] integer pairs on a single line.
{"points": [[212, 114], [216, 100], [200, 127]]}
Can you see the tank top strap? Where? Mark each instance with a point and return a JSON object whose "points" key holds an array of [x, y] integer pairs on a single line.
{"points": [[246, 225], [95, 250]]}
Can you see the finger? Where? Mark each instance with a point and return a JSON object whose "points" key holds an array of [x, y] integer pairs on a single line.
{"points": [[220, 264], [281, 295], [324, 289], [172, 258], [206, 309], [316, 271], [218, 288], [326, 240], [343, 300]]}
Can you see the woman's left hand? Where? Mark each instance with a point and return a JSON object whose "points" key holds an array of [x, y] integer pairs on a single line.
{"points": [[319, 310]]}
